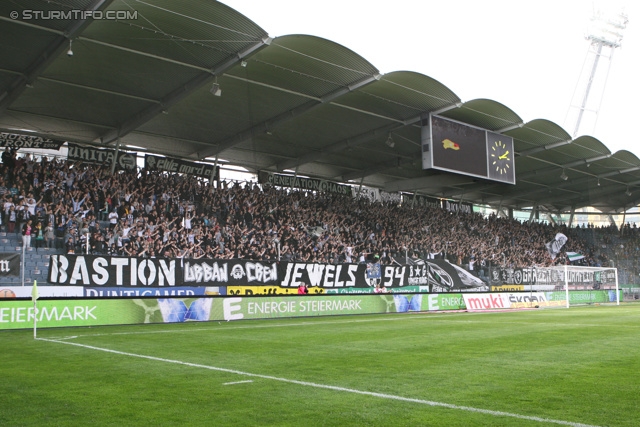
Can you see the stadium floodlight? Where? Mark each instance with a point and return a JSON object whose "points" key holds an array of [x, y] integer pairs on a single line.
{"points": [[564, 176], [607, 29], [628, 192], [390, 142], [215, 89]]}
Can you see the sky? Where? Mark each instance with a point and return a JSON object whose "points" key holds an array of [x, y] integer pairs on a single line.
{"points": [[527, 55]]}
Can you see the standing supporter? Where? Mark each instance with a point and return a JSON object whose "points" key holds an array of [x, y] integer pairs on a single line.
{"points": [[26, 233], [8, 203], [113, 219], [70, 246], [12, 217], [49, 235], [39, 233]]}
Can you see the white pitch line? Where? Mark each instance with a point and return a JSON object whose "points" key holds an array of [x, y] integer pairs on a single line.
{"points": [[330, 387], [238, 382]]}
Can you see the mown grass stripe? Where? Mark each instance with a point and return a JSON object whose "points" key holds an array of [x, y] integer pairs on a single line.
{"points": [[329, 387]]}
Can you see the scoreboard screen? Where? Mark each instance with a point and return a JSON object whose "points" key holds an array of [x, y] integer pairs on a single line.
{"points": [[460, 148]]}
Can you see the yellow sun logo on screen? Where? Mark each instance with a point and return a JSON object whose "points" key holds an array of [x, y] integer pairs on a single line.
{"points": [[500, 157]]}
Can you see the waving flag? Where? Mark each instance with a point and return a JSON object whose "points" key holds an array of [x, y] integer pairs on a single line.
{"points": [[574, 256], [554, 246]]}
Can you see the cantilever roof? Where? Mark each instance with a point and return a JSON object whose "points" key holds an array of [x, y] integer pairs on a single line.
{"points": [[291, 103]]}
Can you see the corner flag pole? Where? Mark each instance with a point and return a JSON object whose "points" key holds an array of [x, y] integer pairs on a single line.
{"points": [[34, 298], [22, 266]]}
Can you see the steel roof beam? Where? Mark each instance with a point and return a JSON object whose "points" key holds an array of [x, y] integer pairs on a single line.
{"points": [[47, 56], [534, 150], [179, 94], [431, 181], [285, 116], [358, 140], [397, 162]]}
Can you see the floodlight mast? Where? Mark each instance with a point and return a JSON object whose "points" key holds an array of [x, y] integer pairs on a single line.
{"points": [[604, 35]]}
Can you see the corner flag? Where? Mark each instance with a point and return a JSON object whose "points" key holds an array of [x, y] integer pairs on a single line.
{"points": [[34, 298], [34, 291]]}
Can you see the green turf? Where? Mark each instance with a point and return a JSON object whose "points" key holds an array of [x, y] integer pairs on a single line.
{"points": [[574, 366]]}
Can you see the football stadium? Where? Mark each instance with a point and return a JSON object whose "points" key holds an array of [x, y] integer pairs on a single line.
{"points": [[205, 224]]}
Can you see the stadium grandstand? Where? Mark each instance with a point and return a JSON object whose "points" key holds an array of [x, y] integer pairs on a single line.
{"points": [[130, 139], [204, 224]]}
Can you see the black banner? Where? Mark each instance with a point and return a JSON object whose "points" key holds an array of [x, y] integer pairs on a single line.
{"points": [[292, 274], [452, 206], [232, 272], [303, 183], [441, 276], [13, 140], [168, 164], [551, 277], [421, 201], [103, 156], [105, 271], [9, 264], [92, 270]]}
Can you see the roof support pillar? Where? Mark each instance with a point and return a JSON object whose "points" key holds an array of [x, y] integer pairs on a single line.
{"points": [[46, 57], [533, 213], [359, 187], [571, 216], [115, 156]]}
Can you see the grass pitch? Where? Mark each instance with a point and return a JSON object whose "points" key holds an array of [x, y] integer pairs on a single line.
{"points": [[572, 367]]}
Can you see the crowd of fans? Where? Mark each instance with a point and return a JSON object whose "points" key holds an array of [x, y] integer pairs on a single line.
{"points": [[67, 206]]}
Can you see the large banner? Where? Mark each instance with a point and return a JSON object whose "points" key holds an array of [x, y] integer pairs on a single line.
{"points": [[441, 276], [370, 193], [452, 206], [293, 274], [122, 292], [303, 183], [13, 140], [386, 197], [7, 292], [169, 164], [242, 277], [549, 279], [504, 301], [19, 314], [234, 272], [92, 270], [64, 313], [418, 201], [277, 307], [9, 264], [586, 297], [103, 156]]}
